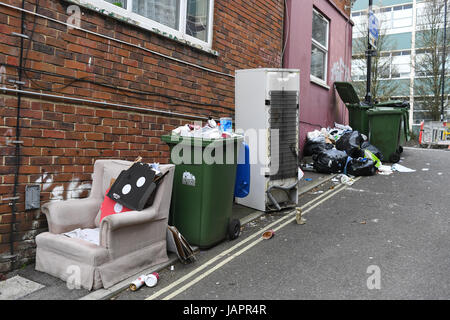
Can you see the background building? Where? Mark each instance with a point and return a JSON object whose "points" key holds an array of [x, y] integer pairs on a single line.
{"points": [[405, 24]]}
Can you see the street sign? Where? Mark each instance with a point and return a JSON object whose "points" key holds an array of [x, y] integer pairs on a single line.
{"points": [[374, 27]]}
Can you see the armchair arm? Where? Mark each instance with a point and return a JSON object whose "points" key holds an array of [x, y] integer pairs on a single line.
{"points": [[125, 232], [64, 216], [127, 219]]}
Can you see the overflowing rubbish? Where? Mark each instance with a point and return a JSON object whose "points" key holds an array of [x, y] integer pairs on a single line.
{"points": [[89, 235], [298, 216], [268, 234], [212, 130], [330, 161], [366, 146], [385, 170], [347, 152], [136, 186], [350, 142], [361, 167], [139, 282], [178, 244], [344, 179], [152, 279], [149, 280], [400, 168]]}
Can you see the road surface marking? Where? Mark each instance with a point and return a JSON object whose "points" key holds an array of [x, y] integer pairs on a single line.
{"points": [[322, 198]]}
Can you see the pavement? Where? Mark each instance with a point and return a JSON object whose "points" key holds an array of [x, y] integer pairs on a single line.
{"points": [[383, 237]]}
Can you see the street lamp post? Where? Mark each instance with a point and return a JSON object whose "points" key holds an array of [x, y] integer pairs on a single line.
{"points": [[443, 60], [368, 98]]}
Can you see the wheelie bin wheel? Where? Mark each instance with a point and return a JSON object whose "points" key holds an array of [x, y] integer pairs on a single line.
{"points": [[234, 229], [400, 149], [394, 158]]}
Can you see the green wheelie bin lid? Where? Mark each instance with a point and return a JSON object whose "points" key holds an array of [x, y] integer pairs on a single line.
{"points": [[347, 92]]}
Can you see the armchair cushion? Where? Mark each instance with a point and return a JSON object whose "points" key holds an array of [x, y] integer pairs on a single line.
{"points": [[73, 248]]}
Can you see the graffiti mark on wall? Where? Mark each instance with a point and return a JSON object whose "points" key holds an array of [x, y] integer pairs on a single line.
{"points": [[2, 76], [58, 192], [7, 138], [340, 71]]}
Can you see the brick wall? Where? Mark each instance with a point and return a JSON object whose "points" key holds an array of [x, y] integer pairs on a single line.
{"points": [[344, 5], [62, 140]]}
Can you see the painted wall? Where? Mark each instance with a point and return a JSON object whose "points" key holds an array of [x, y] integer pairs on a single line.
{"points": [[319, 106]]}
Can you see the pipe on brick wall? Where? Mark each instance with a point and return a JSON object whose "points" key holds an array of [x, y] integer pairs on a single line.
{"points": [[17, 142], [117, 40], [101, 103]]}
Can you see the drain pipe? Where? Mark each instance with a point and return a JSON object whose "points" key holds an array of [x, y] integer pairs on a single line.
{"points": [[17, 142]]}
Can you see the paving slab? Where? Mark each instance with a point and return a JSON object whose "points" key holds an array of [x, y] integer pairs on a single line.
{"points": [[17, 287]]}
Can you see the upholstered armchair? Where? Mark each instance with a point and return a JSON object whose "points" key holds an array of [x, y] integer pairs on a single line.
{"points": [[129, 242]]}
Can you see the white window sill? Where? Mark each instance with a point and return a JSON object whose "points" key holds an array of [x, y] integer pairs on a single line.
{"points": [[318, 82], [128, 20]]}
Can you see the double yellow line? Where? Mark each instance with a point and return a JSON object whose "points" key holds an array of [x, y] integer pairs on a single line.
{"points": [[289, 218]]}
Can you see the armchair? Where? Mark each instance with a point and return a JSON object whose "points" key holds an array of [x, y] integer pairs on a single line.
{"points": [[129, 242]]}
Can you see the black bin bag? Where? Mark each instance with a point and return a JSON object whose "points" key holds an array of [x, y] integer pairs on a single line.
{"points": [[134, 187], [315, 146], [367, 146], [350, 142], [361, 167], [330, 161]]}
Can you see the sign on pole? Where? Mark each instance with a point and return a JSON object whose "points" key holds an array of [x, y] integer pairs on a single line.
{"points": [[374, 27]]}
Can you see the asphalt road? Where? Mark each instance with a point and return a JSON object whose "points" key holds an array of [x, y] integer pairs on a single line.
{"points": [[384, 237]]}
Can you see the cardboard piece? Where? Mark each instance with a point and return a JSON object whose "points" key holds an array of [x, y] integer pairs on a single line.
{"points": [[134, 186], [178, 244]]}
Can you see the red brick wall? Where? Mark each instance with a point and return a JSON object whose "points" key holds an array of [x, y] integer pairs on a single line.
{"points": [[344, 5], [62, 140]]}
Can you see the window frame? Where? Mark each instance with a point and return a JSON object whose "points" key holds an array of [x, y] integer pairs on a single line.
{"points": [[154, 26], [314, 79]]}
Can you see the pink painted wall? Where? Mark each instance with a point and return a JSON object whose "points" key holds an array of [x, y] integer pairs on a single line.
{"points": [[319, 106]]}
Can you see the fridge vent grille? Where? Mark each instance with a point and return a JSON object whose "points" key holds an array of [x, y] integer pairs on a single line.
{"points": [[283, 116]]}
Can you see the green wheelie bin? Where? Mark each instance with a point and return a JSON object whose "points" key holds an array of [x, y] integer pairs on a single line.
{"points": [[357, 110], [403, 106], [203, 188], [384, 131]]}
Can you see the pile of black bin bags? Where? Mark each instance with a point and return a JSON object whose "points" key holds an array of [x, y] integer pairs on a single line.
{"points": [[346, 156]]}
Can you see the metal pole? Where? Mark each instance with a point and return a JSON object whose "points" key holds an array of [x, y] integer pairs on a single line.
{"points": [[443, 60], [369, 58]]}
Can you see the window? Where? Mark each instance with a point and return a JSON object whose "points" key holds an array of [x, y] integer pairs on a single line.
{"points": [[359, 68], [189, 20], [396, 17], [401, 64], [319, 48], [396, 64]]}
